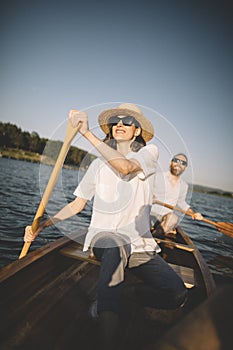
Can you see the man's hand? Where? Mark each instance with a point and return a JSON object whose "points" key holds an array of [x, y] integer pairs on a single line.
{"points": [[79, 118], [197, 216]]}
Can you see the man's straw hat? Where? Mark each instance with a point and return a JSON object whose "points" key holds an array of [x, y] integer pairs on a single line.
{"points": [[126, 109]]}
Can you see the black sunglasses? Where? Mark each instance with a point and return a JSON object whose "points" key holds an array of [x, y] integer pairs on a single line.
{"points": [[177, 160], [126, 121]]}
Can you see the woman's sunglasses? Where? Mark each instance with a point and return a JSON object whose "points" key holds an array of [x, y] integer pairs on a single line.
{"points": [[126, 121], [177, 160]]}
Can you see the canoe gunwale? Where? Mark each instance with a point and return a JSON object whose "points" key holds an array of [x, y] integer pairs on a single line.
{"points": [[17, 265], [208, 279]]}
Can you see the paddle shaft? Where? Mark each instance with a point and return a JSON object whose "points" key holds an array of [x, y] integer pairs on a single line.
{"points": [[174, 208], [70, 134], [176, 245]]}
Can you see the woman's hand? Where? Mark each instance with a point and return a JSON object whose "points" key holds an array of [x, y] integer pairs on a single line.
{"points": [[79, 118], [29, 236]]}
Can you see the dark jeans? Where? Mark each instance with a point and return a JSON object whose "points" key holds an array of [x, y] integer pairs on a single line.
{"points": [[163, 288]]}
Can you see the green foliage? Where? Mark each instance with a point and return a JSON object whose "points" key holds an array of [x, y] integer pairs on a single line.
{"points": [[12, 137]]}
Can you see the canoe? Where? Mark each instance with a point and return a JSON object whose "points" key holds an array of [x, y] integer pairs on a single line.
{"points": [[46, 296]]}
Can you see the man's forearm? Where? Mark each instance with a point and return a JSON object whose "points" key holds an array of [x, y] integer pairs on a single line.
{"points": [[190, 211]]}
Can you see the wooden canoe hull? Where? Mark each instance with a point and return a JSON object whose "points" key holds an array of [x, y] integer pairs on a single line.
{"points": [[45, 299]]}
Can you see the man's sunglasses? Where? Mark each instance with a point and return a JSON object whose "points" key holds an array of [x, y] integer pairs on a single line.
{"points": [[177, 160], [126, 121]]}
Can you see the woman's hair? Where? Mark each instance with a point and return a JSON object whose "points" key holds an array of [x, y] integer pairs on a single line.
{"points": [[135, 146]]}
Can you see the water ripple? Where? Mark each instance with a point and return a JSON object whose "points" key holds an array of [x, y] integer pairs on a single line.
{"points": [[21, 194]]}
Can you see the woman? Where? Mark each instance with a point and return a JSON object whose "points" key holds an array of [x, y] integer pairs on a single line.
{"points": [[120, 181]]}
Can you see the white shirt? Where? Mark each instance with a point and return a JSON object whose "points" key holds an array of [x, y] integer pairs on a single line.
{"points": [[165, 192], [121, 204]]}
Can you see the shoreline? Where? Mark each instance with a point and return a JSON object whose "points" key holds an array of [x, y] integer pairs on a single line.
{"points": [[28, 156]]}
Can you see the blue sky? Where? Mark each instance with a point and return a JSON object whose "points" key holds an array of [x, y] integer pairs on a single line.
{"points": [[172, 57]]}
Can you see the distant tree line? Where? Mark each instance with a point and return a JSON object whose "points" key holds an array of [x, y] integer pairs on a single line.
{"points": [[12, 136]]}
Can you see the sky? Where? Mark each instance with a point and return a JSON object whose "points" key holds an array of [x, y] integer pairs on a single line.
{"points": [[172, 58]]}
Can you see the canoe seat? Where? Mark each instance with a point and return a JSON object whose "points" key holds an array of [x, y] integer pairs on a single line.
{"points": [[74, 251]]}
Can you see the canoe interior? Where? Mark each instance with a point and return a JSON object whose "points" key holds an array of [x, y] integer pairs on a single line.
{"points": [[45, 299]]}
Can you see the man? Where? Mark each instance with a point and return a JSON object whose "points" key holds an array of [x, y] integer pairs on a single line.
{"points": [[171, 189]]}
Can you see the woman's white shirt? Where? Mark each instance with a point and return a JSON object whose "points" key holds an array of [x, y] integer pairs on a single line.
{"points": [[121, 204]]}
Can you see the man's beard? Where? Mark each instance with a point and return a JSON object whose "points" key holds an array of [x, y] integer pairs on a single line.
{"points": [[176, 171]]}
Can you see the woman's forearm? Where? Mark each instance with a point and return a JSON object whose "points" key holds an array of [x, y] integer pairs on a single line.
{"points": [[112, 156], [69, 210], [66, 212]]}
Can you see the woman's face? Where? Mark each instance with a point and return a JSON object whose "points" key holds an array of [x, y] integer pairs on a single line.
{"points": [[121, 132]]}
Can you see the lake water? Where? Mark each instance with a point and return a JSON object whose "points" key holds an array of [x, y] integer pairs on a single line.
{"points": [[22, 184]]}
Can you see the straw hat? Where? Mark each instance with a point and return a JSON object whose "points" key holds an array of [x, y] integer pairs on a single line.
{"points": [[126, 109]]}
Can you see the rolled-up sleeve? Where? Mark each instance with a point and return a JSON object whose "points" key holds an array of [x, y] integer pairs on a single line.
{"points": [[147, 158], [87, 186]]}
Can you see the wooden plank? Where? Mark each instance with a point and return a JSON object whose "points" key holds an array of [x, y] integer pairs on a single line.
{"points": [[25, 316], [74, 251]]}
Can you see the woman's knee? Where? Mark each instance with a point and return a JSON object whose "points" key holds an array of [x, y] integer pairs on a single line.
{"points": [[113, 263]]}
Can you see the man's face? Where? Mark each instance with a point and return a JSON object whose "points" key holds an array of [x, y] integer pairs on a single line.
{"points": [[178, 165]]}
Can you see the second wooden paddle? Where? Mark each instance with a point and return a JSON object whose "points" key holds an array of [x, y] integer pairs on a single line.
{"points": [[225, 227]]}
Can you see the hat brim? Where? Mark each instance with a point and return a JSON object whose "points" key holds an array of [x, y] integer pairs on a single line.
{"points": [[146, 126]]}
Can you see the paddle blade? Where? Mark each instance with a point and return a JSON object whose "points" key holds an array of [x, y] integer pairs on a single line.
{"points": [[25, 249], [226, 228]]}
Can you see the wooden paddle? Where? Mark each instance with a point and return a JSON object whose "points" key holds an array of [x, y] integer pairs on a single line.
{"points": [[70, 134], [188, 248], [225, 227]]}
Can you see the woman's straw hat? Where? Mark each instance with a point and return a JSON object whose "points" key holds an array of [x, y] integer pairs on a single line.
{"points": [[126, 109]]}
